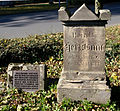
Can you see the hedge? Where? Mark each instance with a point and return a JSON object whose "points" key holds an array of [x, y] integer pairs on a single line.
{"points": [[32, 48]]}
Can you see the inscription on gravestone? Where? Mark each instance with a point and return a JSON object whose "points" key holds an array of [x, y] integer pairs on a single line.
{"points": [[26, 80], [84, 48]]}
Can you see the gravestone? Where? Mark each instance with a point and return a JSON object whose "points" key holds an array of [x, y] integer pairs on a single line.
{"points": [[83, 75], [27, 77]]}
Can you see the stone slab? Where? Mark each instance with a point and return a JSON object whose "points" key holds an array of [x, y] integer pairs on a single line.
{"points": [[39, 74], [94, 91]]}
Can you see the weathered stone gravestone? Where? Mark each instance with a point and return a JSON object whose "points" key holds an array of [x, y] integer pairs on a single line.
{"points": [[27, 77], [83, 75]]}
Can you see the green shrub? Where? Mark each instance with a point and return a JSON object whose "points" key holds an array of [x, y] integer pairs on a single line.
{"points": [[113, 55], [30, 49], [15, 100]]}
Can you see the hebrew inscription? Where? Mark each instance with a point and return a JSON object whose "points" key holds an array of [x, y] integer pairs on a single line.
{"points": [[26, 80]]}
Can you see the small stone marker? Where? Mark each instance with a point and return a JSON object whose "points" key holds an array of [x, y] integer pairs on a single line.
{"points": [[83, 75], [27, 77]]}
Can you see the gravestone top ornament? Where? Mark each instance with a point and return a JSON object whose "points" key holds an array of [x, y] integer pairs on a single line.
{"points": [[83, 75]]}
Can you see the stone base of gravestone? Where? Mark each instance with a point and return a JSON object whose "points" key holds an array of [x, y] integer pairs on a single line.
{"points": [[25, 73], [95, 91]]}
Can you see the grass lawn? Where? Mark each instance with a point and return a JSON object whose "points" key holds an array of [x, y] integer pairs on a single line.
{"points": [[29, 8]]}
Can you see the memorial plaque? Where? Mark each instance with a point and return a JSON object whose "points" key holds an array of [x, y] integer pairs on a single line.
{"points": [[26, 76], [26, 80]]}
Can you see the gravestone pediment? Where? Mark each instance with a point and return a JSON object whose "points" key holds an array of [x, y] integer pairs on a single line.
{"points": [[83, 13]]}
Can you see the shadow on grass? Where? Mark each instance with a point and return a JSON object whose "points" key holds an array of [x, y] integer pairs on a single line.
{"points": [[51, 81], [115, 95]]}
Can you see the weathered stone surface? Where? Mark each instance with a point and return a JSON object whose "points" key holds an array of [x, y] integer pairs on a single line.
{"points": [[84, 49], [83, 13], [14, 77], [80, 75], [83, 75], [95, 91], [64, 14], [105, 14]]}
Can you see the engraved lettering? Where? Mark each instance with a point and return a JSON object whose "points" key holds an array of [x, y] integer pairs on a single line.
{"points": [[86, 33], [79, 47], [74, 34], [26, 80], [93, 63]]}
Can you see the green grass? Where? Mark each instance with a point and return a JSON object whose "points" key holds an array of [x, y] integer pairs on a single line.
{"points": [[28, 8]]}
